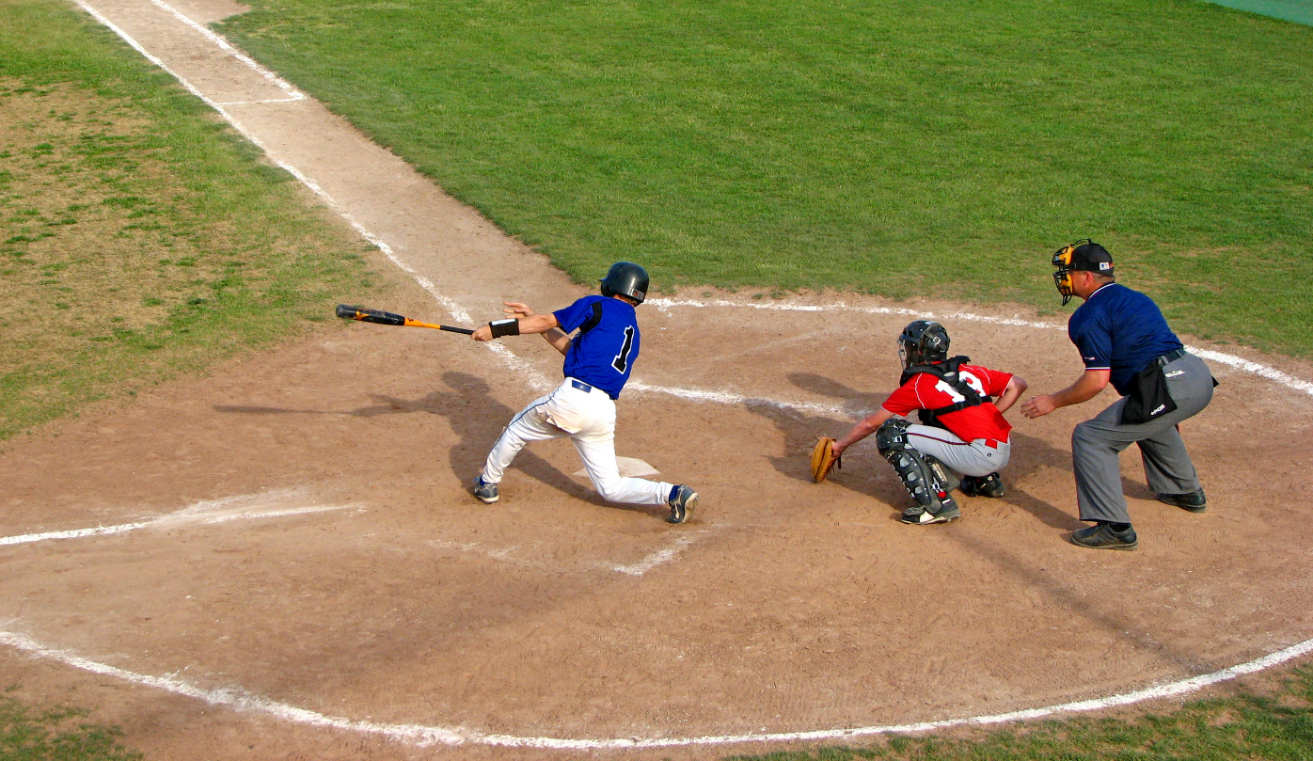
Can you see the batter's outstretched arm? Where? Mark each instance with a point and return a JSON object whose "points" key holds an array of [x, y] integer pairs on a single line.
{"points": [[1011, 393], [1086, 387], [862, 430], [538, 323], [559, 339]]}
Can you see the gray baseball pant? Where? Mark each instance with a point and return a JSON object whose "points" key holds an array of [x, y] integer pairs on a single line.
{"points": [[1096, 444]]}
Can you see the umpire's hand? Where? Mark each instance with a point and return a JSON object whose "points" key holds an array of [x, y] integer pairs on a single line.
{"points": [[1038, 406]]}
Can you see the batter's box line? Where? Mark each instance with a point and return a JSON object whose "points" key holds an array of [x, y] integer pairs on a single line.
{"points": [[508, 555], [421, 735], [199, 513]]}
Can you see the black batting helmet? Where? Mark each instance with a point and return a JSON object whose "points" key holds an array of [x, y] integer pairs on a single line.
{"points": [[626, 279], [923, 342]]}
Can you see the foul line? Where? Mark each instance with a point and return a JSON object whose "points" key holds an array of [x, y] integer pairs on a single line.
{"points": [[225, 46], [424, 736]]}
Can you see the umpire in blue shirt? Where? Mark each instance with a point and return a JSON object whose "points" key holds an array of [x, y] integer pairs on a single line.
{"points": [[1123, 339]]}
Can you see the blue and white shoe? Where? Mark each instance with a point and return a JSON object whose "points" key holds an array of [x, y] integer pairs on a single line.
{"points": [[484, 491], [682, 501]]}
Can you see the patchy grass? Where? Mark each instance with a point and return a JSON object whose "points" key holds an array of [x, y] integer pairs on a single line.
{"points": [[56, 734], [139, 237], [1246, 727], [899, 148]]}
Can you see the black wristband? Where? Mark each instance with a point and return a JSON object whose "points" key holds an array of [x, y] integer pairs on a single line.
{"points": [[509, 327]]}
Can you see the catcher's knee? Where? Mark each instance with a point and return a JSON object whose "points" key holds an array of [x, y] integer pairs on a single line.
{"points": [[891, 436]]}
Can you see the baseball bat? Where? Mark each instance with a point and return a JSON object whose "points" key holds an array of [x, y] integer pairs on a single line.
{"points": [[387, 318]]}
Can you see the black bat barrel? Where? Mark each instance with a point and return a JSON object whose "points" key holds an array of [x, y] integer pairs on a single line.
{"points": [[369, 315]]}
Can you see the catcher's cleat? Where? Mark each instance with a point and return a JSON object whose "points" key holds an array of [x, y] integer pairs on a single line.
{"points": [[682, 501], [946, 511], [1102, 536], [484, 491], [1195, 501], [983, 486]]}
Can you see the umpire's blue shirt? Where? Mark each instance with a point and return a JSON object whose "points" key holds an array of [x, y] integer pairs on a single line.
{"points": [[1120, 330], [604, 351]]}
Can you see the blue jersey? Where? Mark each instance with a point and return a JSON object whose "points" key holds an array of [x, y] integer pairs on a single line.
{"points": [[604, 351], [1120, 330]]}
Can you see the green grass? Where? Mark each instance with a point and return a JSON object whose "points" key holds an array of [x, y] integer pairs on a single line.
{"points": [[900, 148], [1278, 727], [56, 734], [140, 238]]}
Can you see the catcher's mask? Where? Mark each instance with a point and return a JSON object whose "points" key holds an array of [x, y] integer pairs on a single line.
{"points": [[923, 342], [626, 278], [1083, 255]]}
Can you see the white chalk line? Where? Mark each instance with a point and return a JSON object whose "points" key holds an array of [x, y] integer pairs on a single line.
{"points": [[225, 46], [658, 558], [510, 555], [733, 399], [72, 534], [423, 735], [430, 735], [209, 512], [1230, 360]]}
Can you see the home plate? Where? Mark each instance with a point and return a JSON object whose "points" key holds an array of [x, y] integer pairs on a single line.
{"points": [[630, 467]]}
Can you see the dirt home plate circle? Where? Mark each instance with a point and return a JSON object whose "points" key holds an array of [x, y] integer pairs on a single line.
{"points": [[292, 540]]}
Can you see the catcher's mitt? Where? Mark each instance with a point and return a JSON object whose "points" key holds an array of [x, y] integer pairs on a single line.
{"points": [[823, 459]]}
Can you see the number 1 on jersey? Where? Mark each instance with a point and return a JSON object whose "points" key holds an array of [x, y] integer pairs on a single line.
{"points": [[621, 361]]}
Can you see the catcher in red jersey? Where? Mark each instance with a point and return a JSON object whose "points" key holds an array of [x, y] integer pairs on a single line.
{"points": [[963, 439]]}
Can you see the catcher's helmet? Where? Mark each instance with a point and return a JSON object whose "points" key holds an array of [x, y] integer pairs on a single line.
{"points": [[627, 279], [923, 342]]}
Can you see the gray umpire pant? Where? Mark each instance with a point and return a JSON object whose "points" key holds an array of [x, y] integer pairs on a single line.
{"points": [[1096, 444]]}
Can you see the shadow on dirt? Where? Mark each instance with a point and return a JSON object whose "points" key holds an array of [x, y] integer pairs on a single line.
{"points": [[477, 419], [1029, 455]]}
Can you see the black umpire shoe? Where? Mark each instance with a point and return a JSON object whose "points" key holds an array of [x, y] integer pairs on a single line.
{"points": [[1195, 501], [1102, 536]]}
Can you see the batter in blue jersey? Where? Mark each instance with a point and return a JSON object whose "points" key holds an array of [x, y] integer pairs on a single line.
{"points": [[600, 340]]}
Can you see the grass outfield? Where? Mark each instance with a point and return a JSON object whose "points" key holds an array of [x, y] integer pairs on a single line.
{"points": [[139, 237], [1277, 727], [895, 148]]}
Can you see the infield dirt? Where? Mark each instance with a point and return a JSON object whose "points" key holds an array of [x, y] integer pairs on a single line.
{"points": [[782, 606]]}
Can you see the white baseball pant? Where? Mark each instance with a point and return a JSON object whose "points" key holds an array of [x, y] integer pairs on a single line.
{"points": [[975, 458], [588, 418]]}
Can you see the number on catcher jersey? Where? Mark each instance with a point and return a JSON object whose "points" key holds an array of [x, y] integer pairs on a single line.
{"points": [[953, 393]]}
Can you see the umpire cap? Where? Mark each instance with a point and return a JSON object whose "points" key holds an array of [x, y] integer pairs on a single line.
{"points": [[1091, 257]]}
